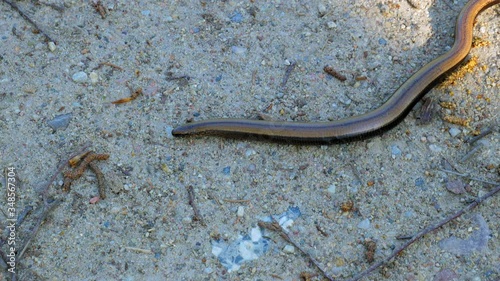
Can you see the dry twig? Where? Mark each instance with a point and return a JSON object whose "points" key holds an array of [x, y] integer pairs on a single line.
{"points": [[424, 232], [288, 71], [197, 215], [275, 226]]}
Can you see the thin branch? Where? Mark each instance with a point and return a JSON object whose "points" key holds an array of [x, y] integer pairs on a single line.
{"points": [[275, 226], [197, 215], [424, 232], [46, 210], [469, 177]]}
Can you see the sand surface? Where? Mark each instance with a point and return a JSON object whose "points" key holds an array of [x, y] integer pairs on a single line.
{"points": [[196, 60]]}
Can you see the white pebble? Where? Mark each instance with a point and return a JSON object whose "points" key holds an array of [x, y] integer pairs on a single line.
{"points": [[321, 9], [435, 148], [289, 249], [331, 24], [332, 188], [241, 211], [80, 77], [94, 77], [250, 152], [454, 132], [52, 46], [364, 224], [255, 234]]}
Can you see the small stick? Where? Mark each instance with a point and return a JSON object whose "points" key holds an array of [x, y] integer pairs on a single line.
{"points": [[197, 216], [236, 200], [23, 214], [275, 226], [46, 210], [110, 65], [424, 232], [139, 250], [356, 173], [26, 17], [484, 133], [473, 151], [469, 177], [288, 71]]}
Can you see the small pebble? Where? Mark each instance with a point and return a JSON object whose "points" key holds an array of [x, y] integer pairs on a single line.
{"points": [[52, 46], [321, 9], [332, 188], [94, 77], [60, 121], [80, 77], [226, 170], [250, 152], [454, 132], [238, 50], [419, 182], [145, 12], [251, 168], [456, 187], [446, 275], [241, 211], [237, 17], [94, 200], [255, 234], [395, 151], [435, 148], [431, 139], [289, 249], [331, 25], [364, 224], [115, 210], [382, 41]]}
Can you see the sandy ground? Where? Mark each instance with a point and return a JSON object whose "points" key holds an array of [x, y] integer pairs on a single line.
{"points": [[207, 59]]}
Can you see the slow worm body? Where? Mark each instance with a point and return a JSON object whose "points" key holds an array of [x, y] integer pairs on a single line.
{"points": [[383, 118]]}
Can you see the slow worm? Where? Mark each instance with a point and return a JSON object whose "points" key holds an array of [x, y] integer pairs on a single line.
{"points": [[381, 119]]}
